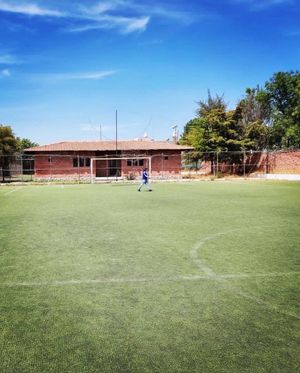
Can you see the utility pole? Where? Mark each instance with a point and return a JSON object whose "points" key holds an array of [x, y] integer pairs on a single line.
{"points": [[100, 132], [116, 132], [175, 134]]}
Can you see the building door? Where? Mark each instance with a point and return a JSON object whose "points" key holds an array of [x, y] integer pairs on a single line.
{"points": [[114, 167], [101, 168], [108, 168]]}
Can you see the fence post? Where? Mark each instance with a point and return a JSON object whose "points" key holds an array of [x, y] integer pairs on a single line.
{"points": [[50, 167], [244, 164], [78, 169], [217, 172]]}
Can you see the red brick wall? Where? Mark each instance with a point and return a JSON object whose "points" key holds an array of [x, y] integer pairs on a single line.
{"points": [[60, 164], [284, 162]]}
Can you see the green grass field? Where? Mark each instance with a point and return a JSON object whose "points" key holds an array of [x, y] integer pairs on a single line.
{"points": [[193, 277]]}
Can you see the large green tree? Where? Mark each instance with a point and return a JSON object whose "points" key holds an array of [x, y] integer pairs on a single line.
{"points": [[281, 96], [214, 130], [253, 115], [8, 146]]}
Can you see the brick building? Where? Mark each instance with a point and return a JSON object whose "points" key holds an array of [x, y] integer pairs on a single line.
{"points": [[89, 158]]}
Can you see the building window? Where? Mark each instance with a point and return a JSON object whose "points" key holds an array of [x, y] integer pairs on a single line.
{"points": [[135, 162], [166, 158], [83, 162], [50, 159]]}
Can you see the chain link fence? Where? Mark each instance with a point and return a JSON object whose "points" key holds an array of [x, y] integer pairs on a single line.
{"points": [[83, 168]]}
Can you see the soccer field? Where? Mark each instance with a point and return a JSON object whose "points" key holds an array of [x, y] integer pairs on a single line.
{"points": [[193, 277]]}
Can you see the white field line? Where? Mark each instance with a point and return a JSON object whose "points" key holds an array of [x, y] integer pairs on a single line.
{"points": [[145, 280], [223, 279], [13, 190], [194, 253]]}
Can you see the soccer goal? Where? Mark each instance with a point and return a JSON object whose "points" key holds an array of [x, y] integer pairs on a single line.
{"points": [[118, 168]]}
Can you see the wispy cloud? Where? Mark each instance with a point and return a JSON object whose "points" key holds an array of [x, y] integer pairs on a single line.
{"points": [[263, 4], [6, 73], [124, 24], [28, 9], [127, 16], [101, 7], [8, 59], [140, 8], [76, 76]]}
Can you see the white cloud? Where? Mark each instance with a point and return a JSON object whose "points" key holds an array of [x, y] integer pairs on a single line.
{"points": [[5, 73], [138, 8], [139, 24], [263, 4], [125, 15], [8, 59], [101, 7], [28, 9], [76, 76], [125, 24]]}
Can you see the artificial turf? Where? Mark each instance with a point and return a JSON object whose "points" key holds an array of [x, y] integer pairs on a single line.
{"points": [[193, 277]]}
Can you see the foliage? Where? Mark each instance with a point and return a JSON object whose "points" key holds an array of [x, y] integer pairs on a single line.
{"points": [[215, 130], [282, 97], [24, 143], [8, 146], [267, 117], [211, 103], [251, 108]]}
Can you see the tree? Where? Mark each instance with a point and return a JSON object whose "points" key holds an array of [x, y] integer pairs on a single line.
{"points": [[252, 113], [210, 104], [25, 144], [8, 146], [282, 98], [252, 108], [215, 130]]}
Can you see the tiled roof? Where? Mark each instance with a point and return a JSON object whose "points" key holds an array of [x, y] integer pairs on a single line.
{"points": [[108, 146]]}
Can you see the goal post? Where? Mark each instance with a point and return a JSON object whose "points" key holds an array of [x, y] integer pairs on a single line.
{"points": [[118, 168]]}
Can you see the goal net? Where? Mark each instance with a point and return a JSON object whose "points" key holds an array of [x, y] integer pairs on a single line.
{"points": [[118, 168]]}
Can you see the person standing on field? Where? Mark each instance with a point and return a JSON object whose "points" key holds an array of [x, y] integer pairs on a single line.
{"points": [[145, 180]]}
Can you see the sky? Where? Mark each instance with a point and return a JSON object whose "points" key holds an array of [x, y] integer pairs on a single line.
{"points": [[66, 66]]}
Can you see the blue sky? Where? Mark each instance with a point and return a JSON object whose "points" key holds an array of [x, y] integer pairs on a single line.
{"points": [[66, 66]]}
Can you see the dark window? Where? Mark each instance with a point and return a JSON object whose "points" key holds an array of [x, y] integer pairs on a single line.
{"points": [[166, 158], [50, 159], [135, 162], [81, 162]]}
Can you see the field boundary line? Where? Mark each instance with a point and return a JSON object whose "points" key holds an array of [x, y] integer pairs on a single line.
{"points": [[13, 190]]}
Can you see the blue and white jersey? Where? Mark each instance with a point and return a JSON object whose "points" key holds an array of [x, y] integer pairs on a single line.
{"points": [[145, 175]]}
